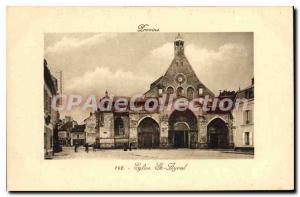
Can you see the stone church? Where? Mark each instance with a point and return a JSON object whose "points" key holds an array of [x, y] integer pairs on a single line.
{"points": [[168, 128]]}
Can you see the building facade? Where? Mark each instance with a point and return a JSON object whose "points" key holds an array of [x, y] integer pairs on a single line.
{"points": [[51, 116], [78, 135], [64, 132], [91, 129], [169, 128], [244, 119]]}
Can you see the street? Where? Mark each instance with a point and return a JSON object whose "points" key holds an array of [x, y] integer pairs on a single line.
{"points": [[107, 154]]}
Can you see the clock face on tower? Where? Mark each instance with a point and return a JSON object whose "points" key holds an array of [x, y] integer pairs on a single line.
{"points": [[180, 78]]}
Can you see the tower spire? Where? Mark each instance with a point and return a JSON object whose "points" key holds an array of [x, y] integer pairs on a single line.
{"points": [[178, 37], [178, 46]]}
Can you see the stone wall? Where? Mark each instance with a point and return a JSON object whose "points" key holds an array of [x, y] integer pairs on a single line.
{"points": [[132, 122], [202, 132], [164, 130], [106, 131]]}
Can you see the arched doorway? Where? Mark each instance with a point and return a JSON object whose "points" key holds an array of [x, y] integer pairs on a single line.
{"points": [[217, 134], [148, 133], [183, 130]]}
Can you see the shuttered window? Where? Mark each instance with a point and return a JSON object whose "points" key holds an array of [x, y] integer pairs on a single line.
{"points": [[248, 117], [247, 138]]}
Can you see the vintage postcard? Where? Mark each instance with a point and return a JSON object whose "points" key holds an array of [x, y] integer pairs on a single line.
{"points": [[165, 111], [197, 95]]}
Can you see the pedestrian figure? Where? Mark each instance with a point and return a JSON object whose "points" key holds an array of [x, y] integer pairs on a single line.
{"points": [[75, 147], [130, 145], [94, 147], [125, 147], [87, 147]]}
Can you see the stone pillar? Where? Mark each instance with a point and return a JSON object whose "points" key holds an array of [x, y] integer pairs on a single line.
{"points": [[202, 132], [164, 131], [230, 135], [133, 133], [164, 128], [133, 136]]}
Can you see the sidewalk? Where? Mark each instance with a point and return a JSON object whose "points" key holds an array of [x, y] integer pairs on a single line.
{"points": [[161, 154]]}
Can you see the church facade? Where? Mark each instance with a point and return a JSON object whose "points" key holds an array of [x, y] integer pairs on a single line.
{"points": [[168, 127]]}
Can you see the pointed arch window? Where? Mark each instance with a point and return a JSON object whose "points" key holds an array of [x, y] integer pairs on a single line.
{"points": [[119, 126], [190, 93], [170, 90], [179, 92]]}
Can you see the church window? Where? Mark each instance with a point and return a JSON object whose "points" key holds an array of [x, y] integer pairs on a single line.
{"points": [[160, 91], [119, 126], [190, 93], [170, 90], [200, 91], [179, 91], [101, 119], [180, 78]]}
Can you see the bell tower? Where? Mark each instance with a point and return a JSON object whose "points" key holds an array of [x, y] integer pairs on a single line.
{"points": [[178, 46]]}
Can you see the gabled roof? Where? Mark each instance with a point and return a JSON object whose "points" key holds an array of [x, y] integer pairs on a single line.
{"points": [[156, 82], [173, 66], [247, 92], [67, 125]]}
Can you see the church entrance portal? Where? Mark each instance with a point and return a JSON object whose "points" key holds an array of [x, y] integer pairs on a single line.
{"points": [[148, 134], [217, 133], [183, 129], [181, 139]]}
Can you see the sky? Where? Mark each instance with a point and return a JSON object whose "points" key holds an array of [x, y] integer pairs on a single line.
{"points": [[126, 64]]}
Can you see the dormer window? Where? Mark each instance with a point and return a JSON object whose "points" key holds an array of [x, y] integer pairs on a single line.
{"points": [[160, 91], [200, 91]]}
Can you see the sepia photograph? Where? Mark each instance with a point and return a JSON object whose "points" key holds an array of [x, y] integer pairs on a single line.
{"points": [[148, 96]]}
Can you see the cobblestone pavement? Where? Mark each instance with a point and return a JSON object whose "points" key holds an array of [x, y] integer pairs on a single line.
{"points": [[68, 153]]}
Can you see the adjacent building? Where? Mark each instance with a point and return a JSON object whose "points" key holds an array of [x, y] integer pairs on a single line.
{"points": [[244, 119], [78, 135], [64, 130], [91, 129], [51, 116], [64, 134]]}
